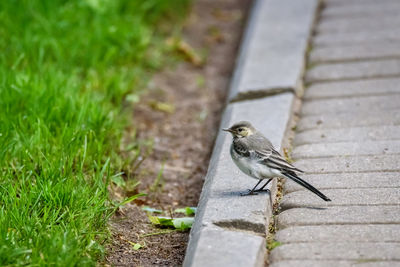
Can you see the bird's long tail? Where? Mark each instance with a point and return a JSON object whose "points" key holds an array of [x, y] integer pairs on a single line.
{"points": [[301, 182]]}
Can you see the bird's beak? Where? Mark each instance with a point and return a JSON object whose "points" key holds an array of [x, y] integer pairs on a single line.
{"points": [[227, 130]]}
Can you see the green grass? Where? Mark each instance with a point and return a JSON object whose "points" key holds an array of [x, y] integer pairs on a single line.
{"points": [[66, 68]]}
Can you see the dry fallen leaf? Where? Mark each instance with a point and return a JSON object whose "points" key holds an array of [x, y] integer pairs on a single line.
{"points": [[186, 50]]}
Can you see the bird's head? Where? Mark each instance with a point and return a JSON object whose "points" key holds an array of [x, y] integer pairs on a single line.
{"points": [[241, 129]]}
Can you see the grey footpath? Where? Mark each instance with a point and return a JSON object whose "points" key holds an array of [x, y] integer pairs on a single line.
{"points": [[272, 57], [347, 141], [335, 263]]}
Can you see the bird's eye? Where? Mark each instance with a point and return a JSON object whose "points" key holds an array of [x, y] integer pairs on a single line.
{"points": [[240, 129]]}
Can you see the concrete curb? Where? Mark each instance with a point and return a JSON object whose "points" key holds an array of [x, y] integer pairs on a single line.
{"points": [[230, 230]]}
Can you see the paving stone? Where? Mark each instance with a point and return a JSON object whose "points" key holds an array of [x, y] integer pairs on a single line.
{"points": [[353, 88], [358, 24], [342, 197], [339, 215], [333, 263], [354, 70], [357, 3], [350, 164], [312, 263], [341, 53], [358, 134], [337, 105], [340, 233], [372, 11], [347, 181], [217, 247], [334, 251], [377, 264], [359, 37], [346, 149], [220, 204], [275, 44], [355, 119], [354, 38]]}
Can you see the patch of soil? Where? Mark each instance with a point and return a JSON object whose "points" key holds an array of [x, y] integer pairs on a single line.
{"points": [[183, 129]]}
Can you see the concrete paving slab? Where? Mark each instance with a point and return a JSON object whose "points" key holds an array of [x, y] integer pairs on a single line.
{"points": [[337, 251], [346, 149], [356, 119], [356, 3], [359, 37], [340, 233], [348, 105], [217, 247], [340, 53], [340, 89], [358, 24], [379, 163], [333, 263], [275, 44], [377, 264], [375, 11], [352, 215], [355, 134], [354, 70], [342, 197], [347, 181], [356, 38], [312, 263]]}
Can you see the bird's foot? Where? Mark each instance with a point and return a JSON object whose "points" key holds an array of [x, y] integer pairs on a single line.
{"points": [[248, 193]]}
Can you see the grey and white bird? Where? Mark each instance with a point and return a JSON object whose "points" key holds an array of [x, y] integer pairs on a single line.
{"points": [[255, 155]]}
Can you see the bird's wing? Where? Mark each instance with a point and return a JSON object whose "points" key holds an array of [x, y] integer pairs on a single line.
{"points": [[273, 159]]}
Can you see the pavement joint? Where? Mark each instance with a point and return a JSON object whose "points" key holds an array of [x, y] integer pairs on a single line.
{"points": [[353, 60], [242, 226], [257, 94]]}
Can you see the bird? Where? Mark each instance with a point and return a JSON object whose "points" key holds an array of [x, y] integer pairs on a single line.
{"points": [[255, 155]]}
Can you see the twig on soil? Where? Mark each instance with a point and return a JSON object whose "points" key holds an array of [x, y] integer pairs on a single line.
{"points": [[159, 233]]}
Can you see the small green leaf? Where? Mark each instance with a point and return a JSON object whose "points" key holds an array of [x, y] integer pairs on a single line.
{"points": [[118, 180], [162, 221], [191, 210], [166, 221], [180, 210], [273, 244], [178, 223], [153, 210], [154, 220], [187, 210], [135, 246], [183, 223]]}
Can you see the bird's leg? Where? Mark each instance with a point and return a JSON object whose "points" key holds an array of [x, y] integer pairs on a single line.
{"points": [[262, 187], [251, 192]]}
